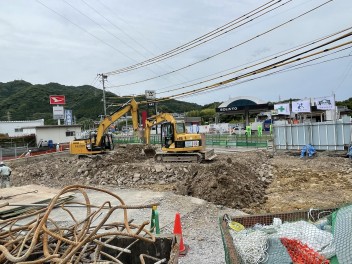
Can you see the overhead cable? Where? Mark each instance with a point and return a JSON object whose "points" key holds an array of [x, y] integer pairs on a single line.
{"points": [[291, 68], [266, 68], [226, 50], [117, 27], [86, 31], [284, 62], [260, 62], [195, 41], [99, 25], [272, 56]]}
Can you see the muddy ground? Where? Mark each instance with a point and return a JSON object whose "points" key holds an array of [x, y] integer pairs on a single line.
{"points": [[257, 181]]}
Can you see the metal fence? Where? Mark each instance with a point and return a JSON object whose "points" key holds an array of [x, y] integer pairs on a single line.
{"points": [[322, 135], [154, 139], [253, 141], [12, 152], [219, 140]]}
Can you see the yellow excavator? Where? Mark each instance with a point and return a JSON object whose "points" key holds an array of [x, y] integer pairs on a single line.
{"points": [[176, 144], [96, 142]]}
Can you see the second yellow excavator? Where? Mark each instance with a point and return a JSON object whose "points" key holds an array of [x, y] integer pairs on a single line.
{"points": [[176, 144]]}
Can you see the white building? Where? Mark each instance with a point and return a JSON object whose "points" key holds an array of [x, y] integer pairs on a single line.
{"points": [[55, 133], [16, 128]]}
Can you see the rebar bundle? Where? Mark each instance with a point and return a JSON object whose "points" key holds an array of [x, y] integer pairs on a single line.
{"points": [[42, 238]]}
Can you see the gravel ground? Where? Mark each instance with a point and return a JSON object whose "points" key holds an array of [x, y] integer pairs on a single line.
{"points": [[200, 228]]}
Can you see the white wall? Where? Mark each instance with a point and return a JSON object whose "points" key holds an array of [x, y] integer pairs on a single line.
{"points": [[9, 127], [219, 128], [56, 133]]}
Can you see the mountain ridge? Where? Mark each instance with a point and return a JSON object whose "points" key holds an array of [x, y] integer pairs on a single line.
{"points": [[21, 100]]}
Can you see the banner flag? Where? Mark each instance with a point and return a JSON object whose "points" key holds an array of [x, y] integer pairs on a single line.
{"points": [[282, 109], [302, 106], [325, 103]]}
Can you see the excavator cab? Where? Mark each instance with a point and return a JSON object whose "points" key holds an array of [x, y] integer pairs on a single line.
{"points": [[167, 134], [107, 141]]}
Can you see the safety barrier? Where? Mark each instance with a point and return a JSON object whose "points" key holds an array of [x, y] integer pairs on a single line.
{"points": [[211, 140]]}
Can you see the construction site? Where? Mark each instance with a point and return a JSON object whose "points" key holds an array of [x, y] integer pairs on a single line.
{"points": [[151, 132], [236, 183]]}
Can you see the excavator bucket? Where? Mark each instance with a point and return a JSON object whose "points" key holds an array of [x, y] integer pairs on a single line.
{"points": [[149, 151]]}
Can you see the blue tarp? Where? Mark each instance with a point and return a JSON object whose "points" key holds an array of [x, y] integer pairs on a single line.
{"points": [[308, 150], [349, 153]]}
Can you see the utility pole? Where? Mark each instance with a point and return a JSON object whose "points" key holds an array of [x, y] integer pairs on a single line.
{"points": [[103, 78]]}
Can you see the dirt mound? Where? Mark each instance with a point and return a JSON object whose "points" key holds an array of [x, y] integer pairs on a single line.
{"points": [[235, 182], [128, 153]]}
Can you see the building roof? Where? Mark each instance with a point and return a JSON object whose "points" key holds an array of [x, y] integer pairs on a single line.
{"points": [[242, 104], [242, 101], [54, 126], [22, 121]]}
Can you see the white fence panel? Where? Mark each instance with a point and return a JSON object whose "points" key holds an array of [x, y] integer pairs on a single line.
{"points": [[323, 136]]}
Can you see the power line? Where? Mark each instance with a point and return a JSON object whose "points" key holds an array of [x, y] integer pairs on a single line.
{"points": [[117, 27], [189, 44], [262, 60], [266, 68], [291, 68], [83, 29], [348, 69], [126, 44], [124, 32], [274, 57], [276, 65], [107, 31], [290, 60], [226, 50]]}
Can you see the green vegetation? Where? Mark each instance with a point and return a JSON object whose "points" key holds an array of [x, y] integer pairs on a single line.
{"points": [[21, 100], [347, 103]]}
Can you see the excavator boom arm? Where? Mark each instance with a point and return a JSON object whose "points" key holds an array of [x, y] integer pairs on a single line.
{"points": [[132, 106]]}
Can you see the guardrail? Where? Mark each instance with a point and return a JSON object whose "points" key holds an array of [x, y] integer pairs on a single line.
{"points": [[211, 140]]}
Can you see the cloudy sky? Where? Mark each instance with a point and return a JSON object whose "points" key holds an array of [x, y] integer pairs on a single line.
{"points": [[70, 42]]}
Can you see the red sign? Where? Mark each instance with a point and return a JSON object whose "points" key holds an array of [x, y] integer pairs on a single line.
{"points": [[57, 99]]}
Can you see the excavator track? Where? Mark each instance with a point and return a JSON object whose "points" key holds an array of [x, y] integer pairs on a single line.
{"points": [[179, 157]]}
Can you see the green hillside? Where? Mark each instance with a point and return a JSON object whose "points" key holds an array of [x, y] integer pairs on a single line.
{"points": [[21, 100]]}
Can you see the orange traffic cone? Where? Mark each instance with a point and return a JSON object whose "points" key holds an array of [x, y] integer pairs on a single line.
{"points": [[178, 231]]}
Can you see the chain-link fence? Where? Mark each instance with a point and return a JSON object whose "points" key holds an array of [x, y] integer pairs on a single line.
{"points": [[13, 151]]}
